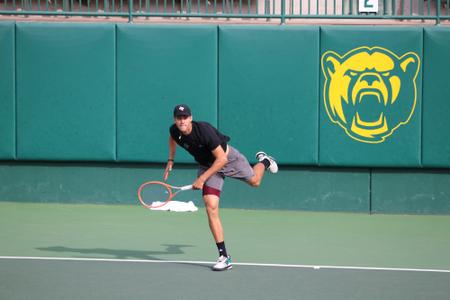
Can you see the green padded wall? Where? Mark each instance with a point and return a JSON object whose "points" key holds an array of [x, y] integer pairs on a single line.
{"points": [[315, 188], [7, 85], [62, 182], [66, 91], [303, 189], [159, 66], [410, 191], [292, 188], [370, 102], [268, 90], [436, 98]]}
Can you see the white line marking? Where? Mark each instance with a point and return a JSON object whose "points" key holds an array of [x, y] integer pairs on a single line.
{"points": [[315, 267]]}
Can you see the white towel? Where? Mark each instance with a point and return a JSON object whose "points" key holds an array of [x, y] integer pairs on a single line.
{"points": [[177, 206]]}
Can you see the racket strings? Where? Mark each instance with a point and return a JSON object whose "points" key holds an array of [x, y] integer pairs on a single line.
{"points": [[154, 195]]}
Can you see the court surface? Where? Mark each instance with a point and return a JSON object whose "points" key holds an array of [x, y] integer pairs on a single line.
{"points": [[66, 251]]}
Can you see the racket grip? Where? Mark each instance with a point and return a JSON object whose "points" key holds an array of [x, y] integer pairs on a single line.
{"points": [[186, 187]]}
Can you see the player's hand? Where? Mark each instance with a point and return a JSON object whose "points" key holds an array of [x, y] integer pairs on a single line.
{"points": [[169, 167], [198, 184]]}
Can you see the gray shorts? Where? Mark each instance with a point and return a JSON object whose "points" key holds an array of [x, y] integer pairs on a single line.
{"points": [[237, 167]]}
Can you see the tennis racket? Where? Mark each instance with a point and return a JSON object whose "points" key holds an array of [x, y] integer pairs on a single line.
{"points": [[153, 194]]}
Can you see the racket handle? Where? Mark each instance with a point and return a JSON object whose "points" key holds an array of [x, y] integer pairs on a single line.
{"points": [[186, 187]]}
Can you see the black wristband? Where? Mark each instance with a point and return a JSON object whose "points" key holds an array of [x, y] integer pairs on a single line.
{"points": [[170, 159]]}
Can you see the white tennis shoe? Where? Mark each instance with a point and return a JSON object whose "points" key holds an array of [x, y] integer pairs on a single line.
{"points": [[273, 167], [223, 263]]}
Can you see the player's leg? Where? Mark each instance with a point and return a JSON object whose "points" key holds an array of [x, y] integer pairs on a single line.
{"points": [[265, 163], [211, 197], [215, 225], [238, 167], [258, 174], [212, 210]]}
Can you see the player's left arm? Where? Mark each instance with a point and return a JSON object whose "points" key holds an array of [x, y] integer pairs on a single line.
{"points": [[220, 161], [170, 160]]}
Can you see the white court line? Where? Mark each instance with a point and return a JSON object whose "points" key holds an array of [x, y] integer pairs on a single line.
{"points": [[315, 267]]}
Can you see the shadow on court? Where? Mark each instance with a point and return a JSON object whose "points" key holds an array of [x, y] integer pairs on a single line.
{"points": [[120, 253]]}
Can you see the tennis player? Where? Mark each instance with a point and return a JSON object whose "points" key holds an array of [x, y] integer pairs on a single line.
{"points": [[217, 160]]}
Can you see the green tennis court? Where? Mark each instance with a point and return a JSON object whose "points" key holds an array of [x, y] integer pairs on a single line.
{"points": [[67, 251]]}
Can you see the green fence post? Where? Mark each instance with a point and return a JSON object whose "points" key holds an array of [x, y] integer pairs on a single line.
{"points": [[283, 12], [438, 12], [130, 11]]}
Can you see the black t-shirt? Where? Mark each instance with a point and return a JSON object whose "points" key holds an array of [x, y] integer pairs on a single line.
{"points": [[201, 141]]}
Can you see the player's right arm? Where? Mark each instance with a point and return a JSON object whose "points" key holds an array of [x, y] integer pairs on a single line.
{"points": [[172, 149]]}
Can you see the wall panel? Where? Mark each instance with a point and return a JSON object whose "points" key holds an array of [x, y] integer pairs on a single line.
{"points": [[268, 90], [7, 91], [66, 91], [370, 111], [159, 66], [436, 98]]}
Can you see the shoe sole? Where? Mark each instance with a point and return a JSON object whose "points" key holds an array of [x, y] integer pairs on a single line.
{"points": [[224, 269]]}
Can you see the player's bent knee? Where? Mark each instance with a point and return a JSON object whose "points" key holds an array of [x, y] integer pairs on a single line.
{"points": [[254, 182]]}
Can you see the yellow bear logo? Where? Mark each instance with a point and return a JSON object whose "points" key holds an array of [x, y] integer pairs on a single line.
{"points": [[370, 91]]}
